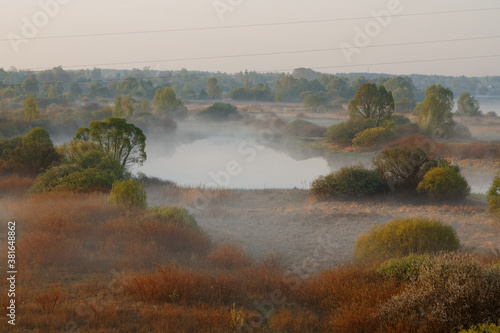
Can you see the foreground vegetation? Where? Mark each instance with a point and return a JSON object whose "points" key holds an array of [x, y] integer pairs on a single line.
{"points": [[94, 256], [90, 264]]}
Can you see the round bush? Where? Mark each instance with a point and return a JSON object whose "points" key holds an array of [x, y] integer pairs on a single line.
{"points": [[452, 291], [493, 196], [304, 128], [219, 112], [174, 215], [344, 132], [444, 183], [353, 181], [404, 269], [372, 137], [128, 192], [404, 237]]}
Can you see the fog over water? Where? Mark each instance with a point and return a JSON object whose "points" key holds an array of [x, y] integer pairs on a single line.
{"points": [[223, 161], [230, 155]]}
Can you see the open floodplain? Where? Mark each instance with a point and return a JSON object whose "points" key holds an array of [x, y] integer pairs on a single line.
{"points": [[249, 248]]}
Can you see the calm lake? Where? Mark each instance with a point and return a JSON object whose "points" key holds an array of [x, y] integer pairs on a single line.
{"points": [[235, 157], [233, 163]]}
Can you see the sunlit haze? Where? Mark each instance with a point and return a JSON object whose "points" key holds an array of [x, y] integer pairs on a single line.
{"points": [[124, 34]]}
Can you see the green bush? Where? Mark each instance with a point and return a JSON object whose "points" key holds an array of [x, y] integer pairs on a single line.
{"points": [[35, 153], [404, 237], [343, 133], [128, 192], [354, 181], [219, 112], [87, 180], [403, 168], [174, 215], [403, 269], [53, 177], [483, 328], [87, 171], [493, 196], [453, 291], [372, 137], [444, 183], [304, 128]]}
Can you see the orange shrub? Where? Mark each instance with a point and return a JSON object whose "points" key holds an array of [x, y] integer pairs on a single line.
{"points": [[348, 297], [15, 184], [228, 256]]}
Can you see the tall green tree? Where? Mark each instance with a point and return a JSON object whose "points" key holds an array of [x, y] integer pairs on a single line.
{"points": [[214, 91], [434, 112], [128, 105], [403, 91], [30, 85], [31, 109], [468, 106], [118, 110], [75, 90], [117, 138], [166, 102], [315, 102], [372, 102], [35, 153]]}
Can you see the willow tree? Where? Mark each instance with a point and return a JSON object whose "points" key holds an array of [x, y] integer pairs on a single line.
{"points": [[434, 113], [371, 102], [117, 138]]}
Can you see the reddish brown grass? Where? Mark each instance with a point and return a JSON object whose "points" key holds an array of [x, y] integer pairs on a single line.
{"points": [[348, 297], [15, 184], [50, 299], [477, 150], [228, 256]]}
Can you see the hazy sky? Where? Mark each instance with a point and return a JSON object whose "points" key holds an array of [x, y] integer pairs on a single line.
{"points": [[333, 26]]}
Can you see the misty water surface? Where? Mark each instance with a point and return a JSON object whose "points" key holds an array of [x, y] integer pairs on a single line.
{"points": [[233, 163]]}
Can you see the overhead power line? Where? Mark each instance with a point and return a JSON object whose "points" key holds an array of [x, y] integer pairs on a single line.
{"points": [[253, 25], [271, 53]]}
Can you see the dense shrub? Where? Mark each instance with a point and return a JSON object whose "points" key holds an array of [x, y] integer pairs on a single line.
{"points": [[493, 196], [452, 291], [228, 256], [403, 269], [174, 215], [304, 128], [354, 181], [372, 138], [87, 171], [35, 153], [219, 112], [347, 297], [87, 180], [128, 192], [344, 132], [443, 183], [483, 328], [403, 237], [403, 168]]}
